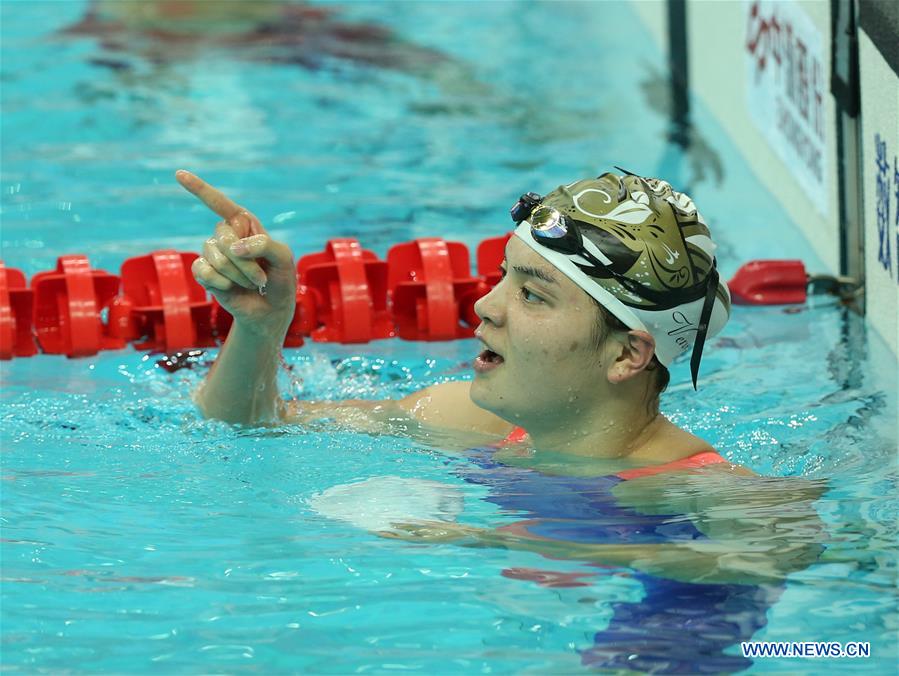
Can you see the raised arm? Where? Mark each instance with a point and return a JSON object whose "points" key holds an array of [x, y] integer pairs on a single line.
{"points": [[254, 278]]}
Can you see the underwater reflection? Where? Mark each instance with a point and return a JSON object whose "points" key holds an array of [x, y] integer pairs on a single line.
{"points": [[273, 31]]}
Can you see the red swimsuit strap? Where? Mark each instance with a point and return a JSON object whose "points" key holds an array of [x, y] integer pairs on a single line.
{"points": [[690, 462], [517, 435], [696, 460]]}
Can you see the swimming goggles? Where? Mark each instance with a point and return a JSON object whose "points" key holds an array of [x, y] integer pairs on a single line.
{"points": [[558, 232]]}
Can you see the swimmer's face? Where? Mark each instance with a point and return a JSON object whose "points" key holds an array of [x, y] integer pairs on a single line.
{"points": [[541, 325]]}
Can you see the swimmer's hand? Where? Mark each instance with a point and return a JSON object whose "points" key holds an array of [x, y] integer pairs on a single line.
{"points": [[251, 275]]}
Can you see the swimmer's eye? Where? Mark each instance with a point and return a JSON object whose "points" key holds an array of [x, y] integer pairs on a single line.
{"points": [[502, 271], [529, 296]]}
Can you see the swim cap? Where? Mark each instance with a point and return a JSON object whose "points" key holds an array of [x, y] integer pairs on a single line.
{"points": [[643, 251]]}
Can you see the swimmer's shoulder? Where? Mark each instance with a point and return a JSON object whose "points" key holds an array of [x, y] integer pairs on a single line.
{"points": [[676, 451], [687, 485], [693, 446], [449, 406]]}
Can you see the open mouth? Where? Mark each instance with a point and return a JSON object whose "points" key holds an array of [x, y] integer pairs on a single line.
{"points": [[487, 361]]}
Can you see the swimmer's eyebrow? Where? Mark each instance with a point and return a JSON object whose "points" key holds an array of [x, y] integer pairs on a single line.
{"points": [[539, 273]]}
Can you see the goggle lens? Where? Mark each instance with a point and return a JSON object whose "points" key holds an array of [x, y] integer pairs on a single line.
{"points": [[547, 223]]}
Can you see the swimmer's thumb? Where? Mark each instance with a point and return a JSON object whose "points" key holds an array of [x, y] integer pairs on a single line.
{"points": [[263, 246]]}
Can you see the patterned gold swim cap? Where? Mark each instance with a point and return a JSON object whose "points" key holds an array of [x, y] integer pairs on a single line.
{"points": [[643, 232]]}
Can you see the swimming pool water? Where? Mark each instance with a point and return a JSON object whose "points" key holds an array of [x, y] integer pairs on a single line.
{"points": [[137, 537]]}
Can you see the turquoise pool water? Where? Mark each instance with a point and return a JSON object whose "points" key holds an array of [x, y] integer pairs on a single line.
{"points": [[139, 538]]}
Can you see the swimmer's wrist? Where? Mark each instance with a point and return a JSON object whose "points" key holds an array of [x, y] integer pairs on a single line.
{"points": [[273, 330]]}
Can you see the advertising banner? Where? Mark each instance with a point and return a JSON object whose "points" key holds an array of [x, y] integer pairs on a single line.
{"points": [[786, 85]]}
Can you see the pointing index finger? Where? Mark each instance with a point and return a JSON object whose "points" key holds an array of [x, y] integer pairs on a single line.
{"points": [[216, 200]]}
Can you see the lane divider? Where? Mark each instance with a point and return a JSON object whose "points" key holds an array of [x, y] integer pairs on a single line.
{"points": [[345, 294]]}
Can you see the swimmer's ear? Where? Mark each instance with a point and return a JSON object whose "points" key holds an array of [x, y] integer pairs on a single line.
{"points": [[635, 354]]}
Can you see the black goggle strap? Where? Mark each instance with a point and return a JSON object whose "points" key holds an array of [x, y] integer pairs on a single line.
{"points": [[704, 318], [626, 172], [662, 299]]}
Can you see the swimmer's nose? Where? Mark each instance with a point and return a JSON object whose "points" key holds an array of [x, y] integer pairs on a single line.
{"points": [[490, 308]]}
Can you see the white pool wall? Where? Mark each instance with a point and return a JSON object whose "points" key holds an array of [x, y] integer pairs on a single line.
{"points": [[880, 118]]}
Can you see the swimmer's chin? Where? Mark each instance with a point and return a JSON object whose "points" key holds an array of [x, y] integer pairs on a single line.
{"points": [[488, 403]]}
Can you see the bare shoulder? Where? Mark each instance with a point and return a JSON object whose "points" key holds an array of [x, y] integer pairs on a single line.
{"points": [[449, 406], [672, 444]]}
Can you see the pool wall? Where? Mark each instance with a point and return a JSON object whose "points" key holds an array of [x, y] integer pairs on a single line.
{"points": [[880, 177], [816, 118]]}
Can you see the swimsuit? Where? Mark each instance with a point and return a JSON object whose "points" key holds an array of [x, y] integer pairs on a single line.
{"points": [[678, 627]]}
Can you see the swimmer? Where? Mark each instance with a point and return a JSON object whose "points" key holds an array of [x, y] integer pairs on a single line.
{"points": [[605, 282]]}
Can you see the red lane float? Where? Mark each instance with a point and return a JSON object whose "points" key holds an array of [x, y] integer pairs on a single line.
{"points": [[427, 279], [16, 302], [786, 282], [169, 309], [349, 288], [67, 306], [775, 282]]}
